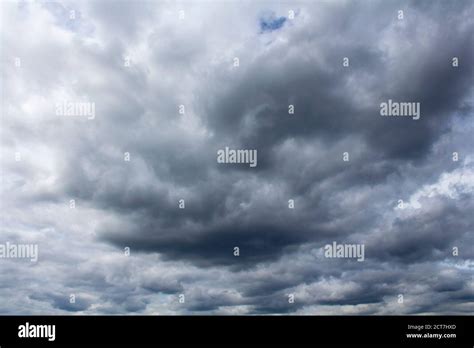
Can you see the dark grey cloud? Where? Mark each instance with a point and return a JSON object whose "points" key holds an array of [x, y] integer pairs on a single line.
{"points": [[63, 302], [429, 235]]}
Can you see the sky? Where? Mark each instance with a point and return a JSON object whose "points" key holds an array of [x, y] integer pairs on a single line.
{"points": [[133, 214]]}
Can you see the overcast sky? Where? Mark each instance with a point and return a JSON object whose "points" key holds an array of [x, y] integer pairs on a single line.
{"points": [[138, 62]]}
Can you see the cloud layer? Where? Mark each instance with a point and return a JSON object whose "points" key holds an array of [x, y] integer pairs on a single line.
{"points": [[169, 92]]}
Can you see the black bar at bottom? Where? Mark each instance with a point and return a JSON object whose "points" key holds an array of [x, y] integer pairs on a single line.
{"points": [[451, 331]]}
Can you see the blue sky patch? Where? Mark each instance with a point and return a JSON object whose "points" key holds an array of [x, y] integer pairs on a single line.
{"points": [[271, 23]]}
